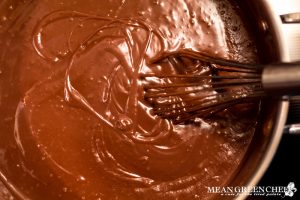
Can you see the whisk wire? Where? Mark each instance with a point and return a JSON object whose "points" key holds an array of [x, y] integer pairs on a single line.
{"points": [[182, 97], [219, 101]]}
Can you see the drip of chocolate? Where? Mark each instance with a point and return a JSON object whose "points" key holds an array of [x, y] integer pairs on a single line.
{"points": [[74, 122]]}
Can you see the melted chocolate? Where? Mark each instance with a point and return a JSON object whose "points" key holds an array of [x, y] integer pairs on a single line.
{"points": [[74, 122]]}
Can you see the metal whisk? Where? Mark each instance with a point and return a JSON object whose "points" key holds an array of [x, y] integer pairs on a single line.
{"points": [[185, 96]]}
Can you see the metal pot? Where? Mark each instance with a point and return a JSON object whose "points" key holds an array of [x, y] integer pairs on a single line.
{"points": [[267, 26]]}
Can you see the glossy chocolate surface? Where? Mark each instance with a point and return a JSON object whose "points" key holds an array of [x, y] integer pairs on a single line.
{"points": [[74, 122]]}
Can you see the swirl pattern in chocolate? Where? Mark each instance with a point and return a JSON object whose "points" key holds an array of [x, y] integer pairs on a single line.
{"points": [[80, 127]]}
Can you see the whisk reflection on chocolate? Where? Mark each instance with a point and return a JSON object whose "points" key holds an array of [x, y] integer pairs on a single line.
{"points": [[183, 96]]}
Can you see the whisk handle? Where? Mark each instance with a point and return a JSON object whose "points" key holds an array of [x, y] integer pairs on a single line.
{"points": [[282, 79]]}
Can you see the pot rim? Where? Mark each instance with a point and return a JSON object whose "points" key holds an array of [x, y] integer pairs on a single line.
{"points": [[283, 104]]}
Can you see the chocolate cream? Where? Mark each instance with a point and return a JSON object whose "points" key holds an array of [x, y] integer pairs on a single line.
{"points": [[74, 122]]}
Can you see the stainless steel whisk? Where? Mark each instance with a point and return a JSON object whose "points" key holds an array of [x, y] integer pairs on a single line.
{"points": [[183, 97]]}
